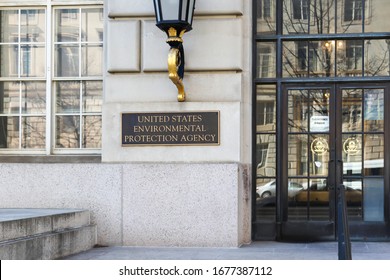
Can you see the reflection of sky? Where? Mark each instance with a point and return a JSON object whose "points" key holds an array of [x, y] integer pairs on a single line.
{"points": [[373, 105]]}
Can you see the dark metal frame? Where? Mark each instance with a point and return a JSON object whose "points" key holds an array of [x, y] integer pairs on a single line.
{"points": [[274, 230]]}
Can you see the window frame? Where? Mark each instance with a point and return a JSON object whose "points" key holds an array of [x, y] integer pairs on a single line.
{"points": [[49, 79]]}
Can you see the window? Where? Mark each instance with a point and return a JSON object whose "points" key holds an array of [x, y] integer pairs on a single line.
{"points": [[300, 9], [308, 56], [44, 111], [353, 10]]}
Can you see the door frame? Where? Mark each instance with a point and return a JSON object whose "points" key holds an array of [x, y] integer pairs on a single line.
{"points": [[326, 230]]}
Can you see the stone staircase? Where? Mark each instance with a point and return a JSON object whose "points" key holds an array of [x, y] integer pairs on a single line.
{"points": [[44, 234]]}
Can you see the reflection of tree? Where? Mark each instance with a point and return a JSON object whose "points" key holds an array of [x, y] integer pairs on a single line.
{"points": [[322, 58]]}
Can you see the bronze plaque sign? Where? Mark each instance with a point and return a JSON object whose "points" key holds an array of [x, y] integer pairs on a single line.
{"points": [[182, 128]]}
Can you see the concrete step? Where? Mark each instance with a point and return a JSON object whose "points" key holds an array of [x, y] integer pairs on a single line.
{"points": [[29, 234]]}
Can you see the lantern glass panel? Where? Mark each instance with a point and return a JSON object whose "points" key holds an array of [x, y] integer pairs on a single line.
{"points": [[170, 9], [184, 10], [191, 11]]}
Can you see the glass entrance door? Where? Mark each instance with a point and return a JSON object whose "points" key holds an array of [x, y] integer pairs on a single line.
{"points": [[334, 135]]}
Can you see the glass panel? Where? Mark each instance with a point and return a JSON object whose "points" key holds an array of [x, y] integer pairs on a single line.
{"points": [[92, 96], [298, 155], [67, 24], [350, 16], [265, 199], [352, 110], [374, 200], [297, 194], [321, 58], [295, 16], [322, 17], [9, 60], [319, 155], [9, 26], [266, 155], [266, 15], [376, 13], [67, 60], [33, 132], [295, 62], [266, 62], [9, 97], [319, 110], [350, 58], [377, 59], [183, 14], [92, 25], [266, 108], [352, 154], [33, 97], [298, 111], [374, 150], [68, 97], [92, 57], [374, 110], [9, 132], [32, 61], [67, 132], [92, 127], [32, 25], [354, 198], [170, 9]]}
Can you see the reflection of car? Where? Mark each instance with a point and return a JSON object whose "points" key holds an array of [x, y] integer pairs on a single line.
{"points": [[321, 197], [269, 189]]}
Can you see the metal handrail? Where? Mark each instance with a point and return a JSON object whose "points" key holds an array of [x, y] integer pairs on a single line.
{"points": [[344, 242]]}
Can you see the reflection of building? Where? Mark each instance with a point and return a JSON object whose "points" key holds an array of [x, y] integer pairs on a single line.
{"points": [[302, 102]]}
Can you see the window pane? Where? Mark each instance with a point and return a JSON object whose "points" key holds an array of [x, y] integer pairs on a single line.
{"points": [[33, 132], [374, 200], [32, 61], [32, 25], [352, 110], [352, 154], [67, 61], [33, 97], [92, 25], [9, 132], [9, 60], [68, 97], [67, 132], [266, 108], [374, 150], [266, 63], [266, 155], [92, 97], [298, 155], [350, 58], [67, 25], [92, 127], [266, 17], [295, 16], [298, 111], [9, 26], [266, 199], [377, 59], [9, 98], [92, 60], [374, 110]]}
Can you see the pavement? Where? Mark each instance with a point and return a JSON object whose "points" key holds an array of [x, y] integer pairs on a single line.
{"points": [[263, 250]]}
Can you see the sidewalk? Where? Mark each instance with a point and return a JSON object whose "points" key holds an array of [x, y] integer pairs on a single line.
{"points": [[255, 251]]}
